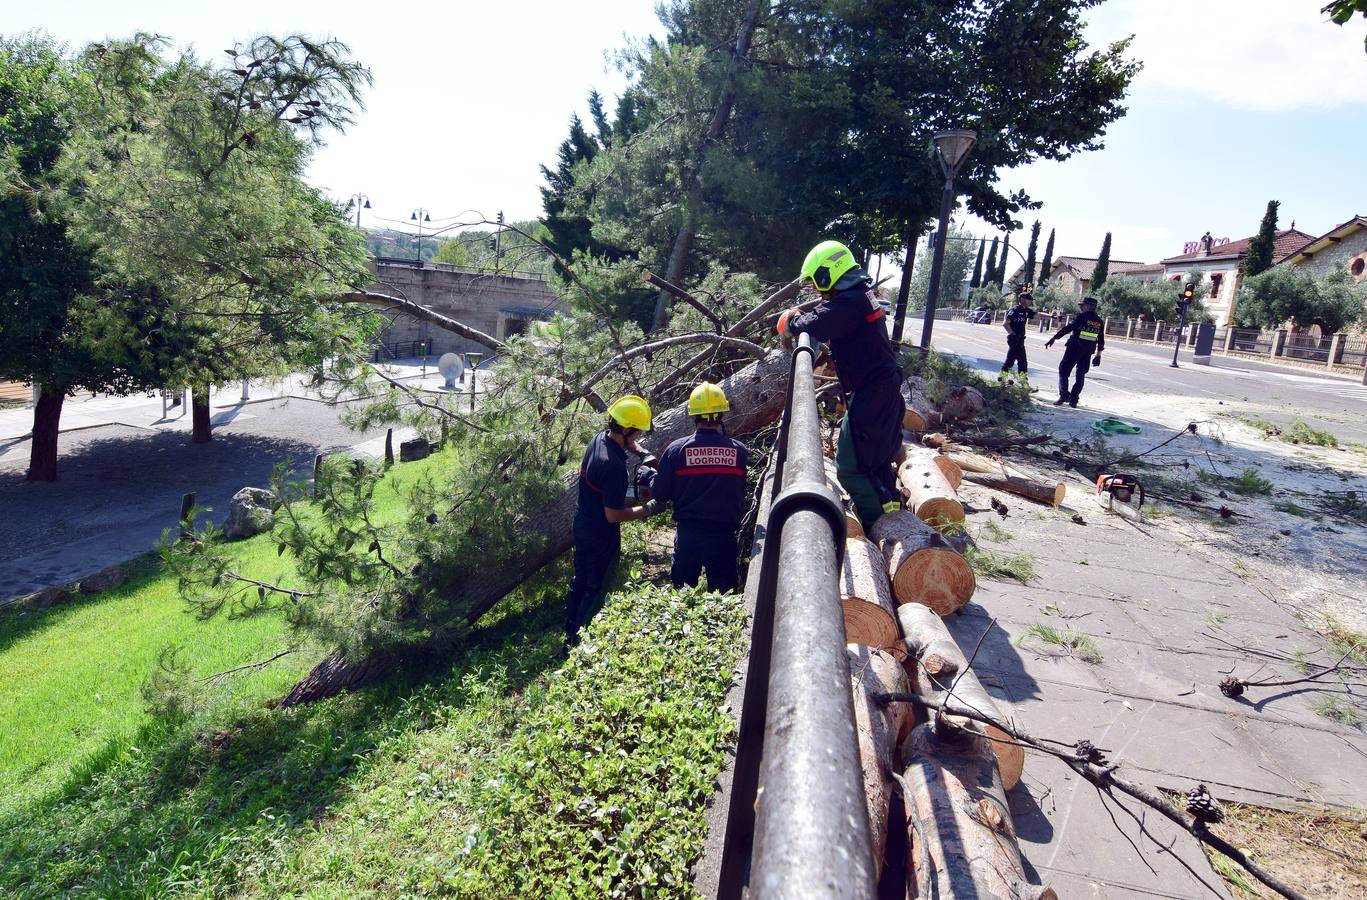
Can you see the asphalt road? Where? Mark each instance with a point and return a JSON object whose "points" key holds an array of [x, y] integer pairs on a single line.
{"points": [[1280, 394]]}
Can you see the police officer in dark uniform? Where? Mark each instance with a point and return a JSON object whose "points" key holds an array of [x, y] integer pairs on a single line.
{"points": [[602, 508], [1016, 320], [852, 321], [704, 477], [1086, 339]]}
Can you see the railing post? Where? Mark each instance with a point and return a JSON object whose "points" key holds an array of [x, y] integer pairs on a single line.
{"points": [[1335, 351], [812, 836]]}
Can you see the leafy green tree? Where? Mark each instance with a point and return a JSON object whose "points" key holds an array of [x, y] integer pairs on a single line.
{"points": [[954, 272], [1285, 294], [1004, 261], [1103, 264], [990, 276], [977, 279], [1340, 11], [1048, 261], [1124, 298], [47, 274], [1261, 249], [1028, 273]]}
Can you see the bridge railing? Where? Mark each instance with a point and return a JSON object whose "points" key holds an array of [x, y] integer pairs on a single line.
{"points": [[797, 821]]}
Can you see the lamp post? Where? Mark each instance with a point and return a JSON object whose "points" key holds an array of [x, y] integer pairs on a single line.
{"points": [[360, 201], [953, 147], [472, 360], [419, 215]]}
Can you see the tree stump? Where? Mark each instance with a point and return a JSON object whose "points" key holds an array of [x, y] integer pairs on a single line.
{"points": [[866, 598], [923, 568], [962, 404]]}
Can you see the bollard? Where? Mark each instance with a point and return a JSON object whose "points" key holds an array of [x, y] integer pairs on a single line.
{"points": [[317, 471], [389, 448], [187, 525]]}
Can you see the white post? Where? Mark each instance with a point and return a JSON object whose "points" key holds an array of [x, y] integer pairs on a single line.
{"points": [[245, 396], [1335, 349], [1278, 338]]}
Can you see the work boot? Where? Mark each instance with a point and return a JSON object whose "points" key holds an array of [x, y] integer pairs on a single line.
{"points": [[1062, 400], [1073, 404], [1024, 380]]}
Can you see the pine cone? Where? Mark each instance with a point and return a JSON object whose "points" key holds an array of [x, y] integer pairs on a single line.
{"points": [[1232, 687], [1203, 807]]}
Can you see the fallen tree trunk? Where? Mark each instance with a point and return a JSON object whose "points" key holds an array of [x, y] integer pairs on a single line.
{"points": [[961, 839], [929, 494], [920, 415], [880, 728], [939, 664], [866, 598], [757, 393], [962, 404], [1049, 494], [923, 567]]}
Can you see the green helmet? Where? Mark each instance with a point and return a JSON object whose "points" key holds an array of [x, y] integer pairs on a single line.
{"points": [[825, 264]]}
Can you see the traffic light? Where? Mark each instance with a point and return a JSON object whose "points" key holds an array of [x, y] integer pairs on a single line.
{"points": [[1188, 293]]}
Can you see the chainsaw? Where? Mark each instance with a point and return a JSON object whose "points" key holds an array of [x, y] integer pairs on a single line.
{"points": [[1119, 488]]}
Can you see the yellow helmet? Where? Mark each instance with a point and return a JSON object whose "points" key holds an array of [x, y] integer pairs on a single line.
{"points": [[631, 411], [708, 399], [826, 262]]}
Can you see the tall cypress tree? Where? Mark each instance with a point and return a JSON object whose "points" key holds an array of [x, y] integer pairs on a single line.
{"points": [[977, 279], [1260, 249], [1103, 265], [991, 275], [1047, 261], [1003, 260], [1028, 273]]}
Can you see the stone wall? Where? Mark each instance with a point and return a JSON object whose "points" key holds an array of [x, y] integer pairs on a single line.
{"points": [[1341, 256], [498, 305]]}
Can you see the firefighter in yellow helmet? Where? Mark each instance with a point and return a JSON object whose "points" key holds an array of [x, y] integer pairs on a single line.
{"points": [[603, 508], [703, 475], [851, 320]]}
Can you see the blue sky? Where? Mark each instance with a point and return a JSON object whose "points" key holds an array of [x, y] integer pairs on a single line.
{"points": [[1241, 101]]}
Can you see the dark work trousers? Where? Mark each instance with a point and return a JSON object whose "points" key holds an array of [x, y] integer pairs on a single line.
{"points": [[708, 546], [870, 437], [594, 558], [1015, 353], [1075, 356]]}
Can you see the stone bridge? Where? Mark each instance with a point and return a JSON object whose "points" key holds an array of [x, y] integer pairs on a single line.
{"points": [[499, 305]]}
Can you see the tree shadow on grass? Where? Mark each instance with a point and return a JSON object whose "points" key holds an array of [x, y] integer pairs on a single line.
{"points": [[195, 803]]}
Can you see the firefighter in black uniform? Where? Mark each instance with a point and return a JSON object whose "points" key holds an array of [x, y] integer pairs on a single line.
{"points": [[704, 477], [1086, 339], [602, 508], [1016, 320], [852, 321]]}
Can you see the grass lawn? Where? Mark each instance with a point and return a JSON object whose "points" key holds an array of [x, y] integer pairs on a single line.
{"points": [[506, 768], [71, 677]]}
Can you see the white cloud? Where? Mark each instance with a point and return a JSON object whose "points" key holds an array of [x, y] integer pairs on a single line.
{"points": [[1261, 55]]}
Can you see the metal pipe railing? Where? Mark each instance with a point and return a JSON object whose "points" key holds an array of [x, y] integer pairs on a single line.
{"points": [[811, 835]]}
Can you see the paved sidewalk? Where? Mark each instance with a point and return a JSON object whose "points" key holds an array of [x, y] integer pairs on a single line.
{"points": [[122, 469], [1170, 624]]}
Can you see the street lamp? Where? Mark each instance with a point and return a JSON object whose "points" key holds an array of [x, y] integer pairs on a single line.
{"points": [[360, 201], [419, 215], [953, 147], [472, 360]]}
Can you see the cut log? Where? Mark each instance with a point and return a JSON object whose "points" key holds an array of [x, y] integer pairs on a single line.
{"points": [[924, 569], [962, 404], [881, 728], [961, 839], [938, 661], [866, 597], [920, 415], [952, 471], [1040, 492], [929, 494], [757, 393], [968, 461]]}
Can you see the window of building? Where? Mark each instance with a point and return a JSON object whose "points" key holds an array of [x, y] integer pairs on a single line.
{"points": [[1357, 266], [1215, 281]]}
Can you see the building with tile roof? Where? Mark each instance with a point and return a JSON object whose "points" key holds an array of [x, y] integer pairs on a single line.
{"points": [[1217, 262]]}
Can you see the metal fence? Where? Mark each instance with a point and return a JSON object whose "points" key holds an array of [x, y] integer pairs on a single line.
{"points": [[1307, 347], [401, 350], [1250, 340], [1144, 331], [1119, 327], [1353, 353], [797, 748]]}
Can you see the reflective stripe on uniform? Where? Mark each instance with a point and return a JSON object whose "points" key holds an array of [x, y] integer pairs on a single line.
{"points": [[1088, 335]]}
